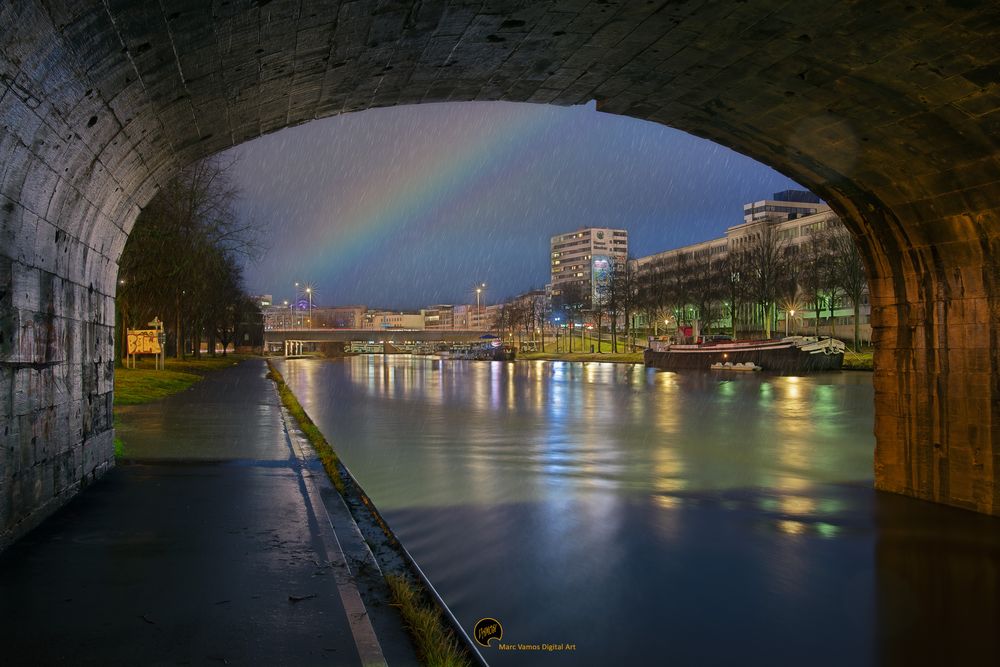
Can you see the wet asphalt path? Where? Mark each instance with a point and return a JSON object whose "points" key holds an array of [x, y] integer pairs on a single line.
{"points": [[207, 550]]}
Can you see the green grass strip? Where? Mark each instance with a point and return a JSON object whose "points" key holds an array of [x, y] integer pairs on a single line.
{"points": [[133, 387], [436, 644], [620, 357], [859, 361], [324, 451]]}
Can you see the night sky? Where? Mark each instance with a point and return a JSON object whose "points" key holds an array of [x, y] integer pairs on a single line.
{"points": [[411, 206]]}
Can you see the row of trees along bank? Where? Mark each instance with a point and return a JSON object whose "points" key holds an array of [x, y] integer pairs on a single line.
{"points": [[739, 292], [183, 263]]}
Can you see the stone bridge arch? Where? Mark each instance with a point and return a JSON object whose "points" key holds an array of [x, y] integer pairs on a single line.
{"points": [[889, 111]]}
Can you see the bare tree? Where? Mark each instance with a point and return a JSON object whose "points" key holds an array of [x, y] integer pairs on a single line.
{"points": [[621, 299], [733, 271], [704, 290], [767, 265], [540, 311], [848, 273], [814, 261], [570, 302]]}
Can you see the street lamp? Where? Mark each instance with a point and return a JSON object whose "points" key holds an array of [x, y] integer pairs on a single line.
{"points": [[309, 291], [295, 306], [479, 311]]}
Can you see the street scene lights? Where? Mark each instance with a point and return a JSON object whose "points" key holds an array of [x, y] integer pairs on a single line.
{"points": [[309, 292]]}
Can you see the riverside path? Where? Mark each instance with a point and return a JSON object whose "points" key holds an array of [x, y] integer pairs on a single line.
{"points": [[211, 544]]}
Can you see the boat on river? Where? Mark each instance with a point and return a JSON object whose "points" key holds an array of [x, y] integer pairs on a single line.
{"points": [[792, 354], [487, 351]]}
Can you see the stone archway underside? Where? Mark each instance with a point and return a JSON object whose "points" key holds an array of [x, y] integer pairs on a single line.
{"points": [[889, 111]]}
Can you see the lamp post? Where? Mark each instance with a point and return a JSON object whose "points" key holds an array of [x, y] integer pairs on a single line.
{"points": [[479, 311], [309, 291], [295, 306]]}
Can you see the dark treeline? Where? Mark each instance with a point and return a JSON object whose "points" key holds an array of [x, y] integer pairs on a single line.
{"points": [[183, 263]]}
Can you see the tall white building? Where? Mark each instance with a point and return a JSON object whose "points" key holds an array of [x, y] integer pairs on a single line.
{"points": [[586, 257]]}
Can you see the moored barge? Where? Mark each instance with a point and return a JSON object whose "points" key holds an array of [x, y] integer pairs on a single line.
{"points": [[790, 355]]}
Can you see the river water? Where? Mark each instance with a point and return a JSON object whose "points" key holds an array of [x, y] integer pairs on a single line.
{"points": [[634, 516]]}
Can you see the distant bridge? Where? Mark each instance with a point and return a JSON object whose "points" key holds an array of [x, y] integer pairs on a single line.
{"points": [[279, 336]]}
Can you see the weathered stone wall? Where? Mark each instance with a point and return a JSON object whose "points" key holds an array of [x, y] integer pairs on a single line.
{"points": [[887, 110]]}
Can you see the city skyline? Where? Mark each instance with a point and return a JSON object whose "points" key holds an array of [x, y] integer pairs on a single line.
{"points": [[412, 206]]}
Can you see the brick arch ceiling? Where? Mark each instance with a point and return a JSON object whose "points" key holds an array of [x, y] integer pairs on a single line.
{"points": [[887, 110]]}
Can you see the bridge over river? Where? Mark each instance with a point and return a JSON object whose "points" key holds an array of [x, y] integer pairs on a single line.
{"points": [[297, 340]]}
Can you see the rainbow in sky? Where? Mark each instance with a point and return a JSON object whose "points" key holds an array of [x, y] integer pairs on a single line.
{"points": [[452, 173]]}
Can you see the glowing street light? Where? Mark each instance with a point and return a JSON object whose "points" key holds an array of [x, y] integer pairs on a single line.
{"points": [[479, 290], [295, 306]]}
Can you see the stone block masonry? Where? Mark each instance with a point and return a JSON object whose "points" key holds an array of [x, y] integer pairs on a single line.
{"points": [[890, 113]]}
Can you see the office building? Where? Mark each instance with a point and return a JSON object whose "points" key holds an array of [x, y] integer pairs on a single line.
{"points": [[794, 224], [585, 257]]}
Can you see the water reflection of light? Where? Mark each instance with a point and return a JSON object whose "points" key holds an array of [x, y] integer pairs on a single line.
{"points": [[792, 527], [668, 468], [482, 432], [667, 418], [797, 505], [827, 530], [495, 378], [509, 389], [792, 484], [792, 389], [667, 502], [765, 393]]}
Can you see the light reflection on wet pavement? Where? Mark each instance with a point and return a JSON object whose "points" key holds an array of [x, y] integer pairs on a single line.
{"points": [[632, 513]]}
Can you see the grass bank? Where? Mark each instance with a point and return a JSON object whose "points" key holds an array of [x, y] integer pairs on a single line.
{"points": [[144, 383], [327, 456], [620, 358], [133, 387], [434, 640], [438, 646], [858, 361]]}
